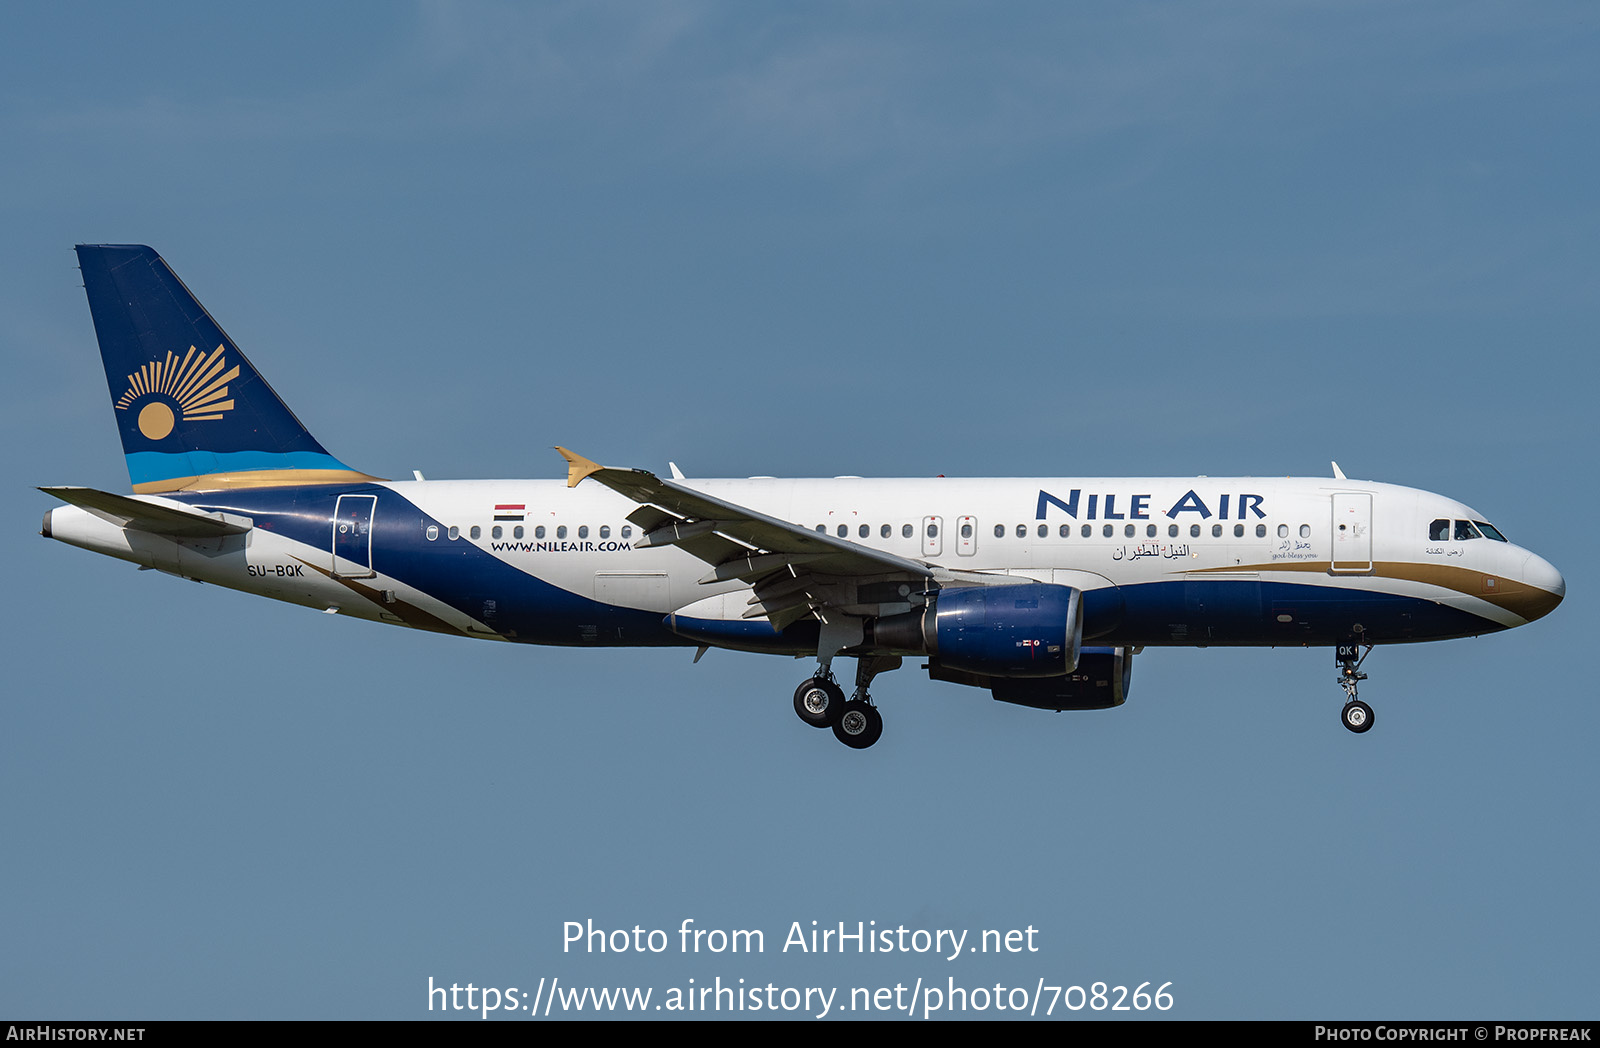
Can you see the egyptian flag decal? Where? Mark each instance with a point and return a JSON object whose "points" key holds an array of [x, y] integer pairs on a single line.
{"points": [[509, 512]]}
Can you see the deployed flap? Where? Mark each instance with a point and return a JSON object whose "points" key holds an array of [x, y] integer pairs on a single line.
{"points": [[164, 518]]}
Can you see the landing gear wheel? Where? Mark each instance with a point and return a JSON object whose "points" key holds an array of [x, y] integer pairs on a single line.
{"points": [[1357, 716], [859, 725], [819, 701]]}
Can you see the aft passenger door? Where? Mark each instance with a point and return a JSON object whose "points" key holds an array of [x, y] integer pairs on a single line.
{"points": [[352, 536]]}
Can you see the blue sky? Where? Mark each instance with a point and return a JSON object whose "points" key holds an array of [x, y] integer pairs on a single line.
{"points": [[891, 240]]}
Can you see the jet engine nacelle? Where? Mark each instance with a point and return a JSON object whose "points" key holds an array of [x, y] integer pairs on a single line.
{"points": [[1099, 682], [1028, 630]]}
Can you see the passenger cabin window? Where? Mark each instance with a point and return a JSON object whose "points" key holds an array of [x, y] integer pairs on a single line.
{"points": [[561, 531], [583, 531], [538, 532], [1149, 531], [496, 531], [883, 532], [1022, 531], [433, 532], [1172, 531], [1194, 531], [966, 531], [1109, 531], [1216, 531], [1261, 531], [843, 529], [1283, 531], [999, 531], [477, 532], [517, 532], [905, 531], [1305, 531], [1238, 531], [1088, 530], [864, 531], [605, 531], [1066, 531]]}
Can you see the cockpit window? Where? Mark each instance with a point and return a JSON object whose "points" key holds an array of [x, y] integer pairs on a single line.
{"points": [[1440, 531]]}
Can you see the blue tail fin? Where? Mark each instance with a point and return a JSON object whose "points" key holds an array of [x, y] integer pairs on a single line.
{"points": [[192, 411]]}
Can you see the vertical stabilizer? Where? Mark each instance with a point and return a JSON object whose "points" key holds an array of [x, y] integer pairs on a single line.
{"points": [[193, 413]]}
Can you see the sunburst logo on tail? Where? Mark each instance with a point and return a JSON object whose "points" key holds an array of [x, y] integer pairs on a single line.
{"points": [[196, 388]]}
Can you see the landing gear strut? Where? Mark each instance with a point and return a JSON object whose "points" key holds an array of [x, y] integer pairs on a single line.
{"points": [[1357, 715]]}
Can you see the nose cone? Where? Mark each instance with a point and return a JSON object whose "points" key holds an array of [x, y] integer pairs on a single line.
{"points": [[1548, 585]]}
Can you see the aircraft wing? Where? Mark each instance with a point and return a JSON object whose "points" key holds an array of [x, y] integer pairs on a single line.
{"points": [[793, 570]]}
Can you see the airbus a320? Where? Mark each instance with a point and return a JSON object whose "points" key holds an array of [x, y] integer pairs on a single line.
{"points": [[1040, 591]]}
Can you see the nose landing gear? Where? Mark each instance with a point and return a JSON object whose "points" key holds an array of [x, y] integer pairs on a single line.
{"points": [[1356, 715]]}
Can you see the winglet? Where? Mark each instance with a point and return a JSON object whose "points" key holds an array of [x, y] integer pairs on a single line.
{"points": [[1338, 473], [578, 467]]}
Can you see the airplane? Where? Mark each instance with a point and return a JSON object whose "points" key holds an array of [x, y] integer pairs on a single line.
{"points": [[1040, 591]]}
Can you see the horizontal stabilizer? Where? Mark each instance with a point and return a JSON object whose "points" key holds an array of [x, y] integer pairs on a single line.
{"points": [[156, 518]]}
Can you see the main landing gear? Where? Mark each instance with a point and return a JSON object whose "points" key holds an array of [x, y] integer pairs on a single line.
{"points": [[820, 702], [1357, 715]]}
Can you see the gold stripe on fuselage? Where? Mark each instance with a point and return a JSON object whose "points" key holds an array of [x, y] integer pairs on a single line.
{"points": [[1519, 598]]}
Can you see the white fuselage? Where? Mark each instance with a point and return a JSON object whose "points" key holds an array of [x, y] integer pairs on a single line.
{"points": [[1092, 534]]}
